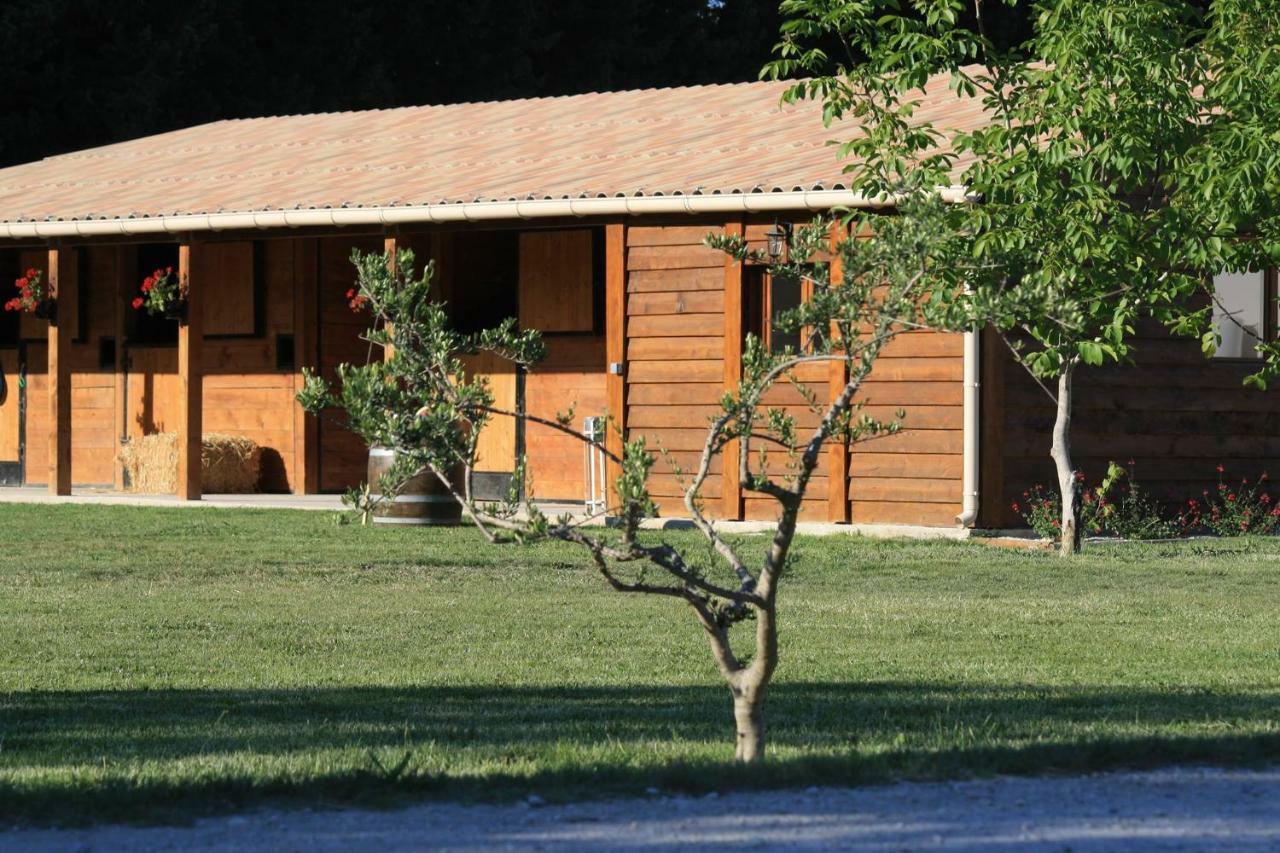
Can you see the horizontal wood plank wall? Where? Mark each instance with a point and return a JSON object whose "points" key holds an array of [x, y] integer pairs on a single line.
{"points": [[674, 350], [1176, 414], [92, 389], [572, 375], [913, 477]]}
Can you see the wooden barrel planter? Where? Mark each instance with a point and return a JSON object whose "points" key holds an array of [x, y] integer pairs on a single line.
{"points": [[424, 500]]}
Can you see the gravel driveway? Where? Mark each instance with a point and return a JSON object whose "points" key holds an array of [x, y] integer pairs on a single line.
{"points": [[1178, 809]]}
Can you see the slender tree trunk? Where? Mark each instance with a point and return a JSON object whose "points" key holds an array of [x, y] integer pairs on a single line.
{"points": [[1068, 485], [747, 714]]}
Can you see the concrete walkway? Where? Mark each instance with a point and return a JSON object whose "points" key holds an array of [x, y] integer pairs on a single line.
{"points": [[1176, 809], [104, 497], [332, 503]]}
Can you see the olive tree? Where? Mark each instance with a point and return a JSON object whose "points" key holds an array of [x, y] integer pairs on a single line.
{"points": [[1114, 162], [420, 401]]}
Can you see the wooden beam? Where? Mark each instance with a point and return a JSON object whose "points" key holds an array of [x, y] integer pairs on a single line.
{"points": [[306, 353], [731, 494], [838, 452], [63, 281], [615, 336], [190, 380], [122, 290]]}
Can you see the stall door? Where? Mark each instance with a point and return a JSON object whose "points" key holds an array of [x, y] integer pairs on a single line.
{"points": [[496, 449], [10, 419]]}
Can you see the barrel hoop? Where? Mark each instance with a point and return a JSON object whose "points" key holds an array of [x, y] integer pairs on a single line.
{"points": [[424, 498], [415, 520]]}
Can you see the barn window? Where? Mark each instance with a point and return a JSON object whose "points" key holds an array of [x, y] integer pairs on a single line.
{"points": [[769, 296], [1244, 312]]}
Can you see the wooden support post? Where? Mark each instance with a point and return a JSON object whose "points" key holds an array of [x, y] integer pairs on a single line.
{"points": [[190, 380], [62, 281], [306, 353], [731, 494], [615, 336], [122, 289], [838, 452]]}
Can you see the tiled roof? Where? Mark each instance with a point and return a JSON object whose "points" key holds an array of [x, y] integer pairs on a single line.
{"points": [[733, 138]]}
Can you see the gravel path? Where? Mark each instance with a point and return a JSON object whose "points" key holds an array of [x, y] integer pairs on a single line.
{"points": [[1179, 809]]}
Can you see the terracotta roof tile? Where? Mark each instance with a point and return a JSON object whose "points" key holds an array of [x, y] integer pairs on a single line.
{"points": [[701, 139]]}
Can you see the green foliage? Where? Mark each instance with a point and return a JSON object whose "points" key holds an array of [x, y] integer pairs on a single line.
{"points": [[1234, 509], [1118, 506], [417, 399], [1128, 150]]}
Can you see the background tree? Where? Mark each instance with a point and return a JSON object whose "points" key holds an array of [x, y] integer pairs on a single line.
{"points": [[1121, 160], [421, 402]]}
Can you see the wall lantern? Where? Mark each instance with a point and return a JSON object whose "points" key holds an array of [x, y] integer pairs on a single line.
{"points": [[778, 239]]}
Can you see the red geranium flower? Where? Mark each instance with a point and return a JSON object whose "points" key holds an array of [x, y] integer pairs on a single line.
{"points": [[137, 303]]}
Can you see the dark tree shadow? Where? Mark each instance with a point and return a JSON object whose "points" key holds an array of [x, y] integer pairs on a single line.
{"points": [[850, 733]]}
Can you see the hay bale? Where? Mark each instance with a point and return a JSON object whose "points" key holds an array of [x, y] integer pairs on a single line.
{"points": [[151, 464], [230, 464]]}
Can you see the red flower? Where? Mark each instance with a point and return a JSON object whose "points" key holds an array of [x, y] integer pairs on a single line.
{"points": [[168, 270], [137, 303], [1055, 522], [1220, 468], [1231, 497], [351, 294], [32, 272], [147, 284], [157, 274], [1016, 508]]}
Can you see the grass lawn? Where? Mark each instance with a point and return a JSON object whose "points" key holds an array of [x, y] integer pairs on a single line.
{"points": [[157, 664]]}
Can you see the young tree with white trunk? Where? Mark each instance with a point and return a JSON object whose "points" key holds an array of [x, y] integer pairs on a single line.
{"points": [[421, 402], [1114, 162]]}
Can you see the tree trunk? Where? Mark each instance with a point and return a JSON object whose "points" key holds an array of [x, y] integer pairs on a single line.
{"points": [[747, 708], [1068, 485]]}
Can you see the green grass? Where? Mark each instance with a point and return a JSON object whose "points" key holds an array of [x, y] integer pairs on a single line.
{"points": [[156, 665]]}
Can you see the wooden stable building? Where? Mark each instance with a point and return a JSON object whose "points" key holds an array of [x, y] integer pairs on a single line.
{"points": [[582, 216]]}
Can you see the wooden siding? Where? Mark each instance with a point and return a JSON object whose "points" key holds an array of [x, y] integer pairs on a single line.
{"points": [[676, 346], [913, 477], [1176, 414], [573, 375], [244, 393]]}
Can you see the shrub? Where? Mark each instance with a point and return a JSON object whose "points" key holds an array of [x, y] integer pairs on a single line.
{"points": [[1233, 510], [1118, 506]]}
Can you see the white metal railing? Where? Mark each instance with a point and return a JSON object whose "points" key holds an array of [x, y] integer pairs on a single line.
{"points": [[593, 429]]}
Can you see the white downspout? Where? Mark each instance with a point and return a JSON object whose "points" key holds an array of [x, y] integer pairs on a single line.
{"points": [[969, 485]]}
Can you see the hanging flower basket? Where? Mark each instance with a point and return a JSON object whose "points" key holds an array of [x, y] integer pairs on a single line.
{"points": [[33, 297], [163, 295]]}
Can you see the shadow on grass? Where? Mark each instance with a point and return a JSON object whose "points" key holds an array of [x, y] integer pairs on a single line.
{"points": [[174, 754]]}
